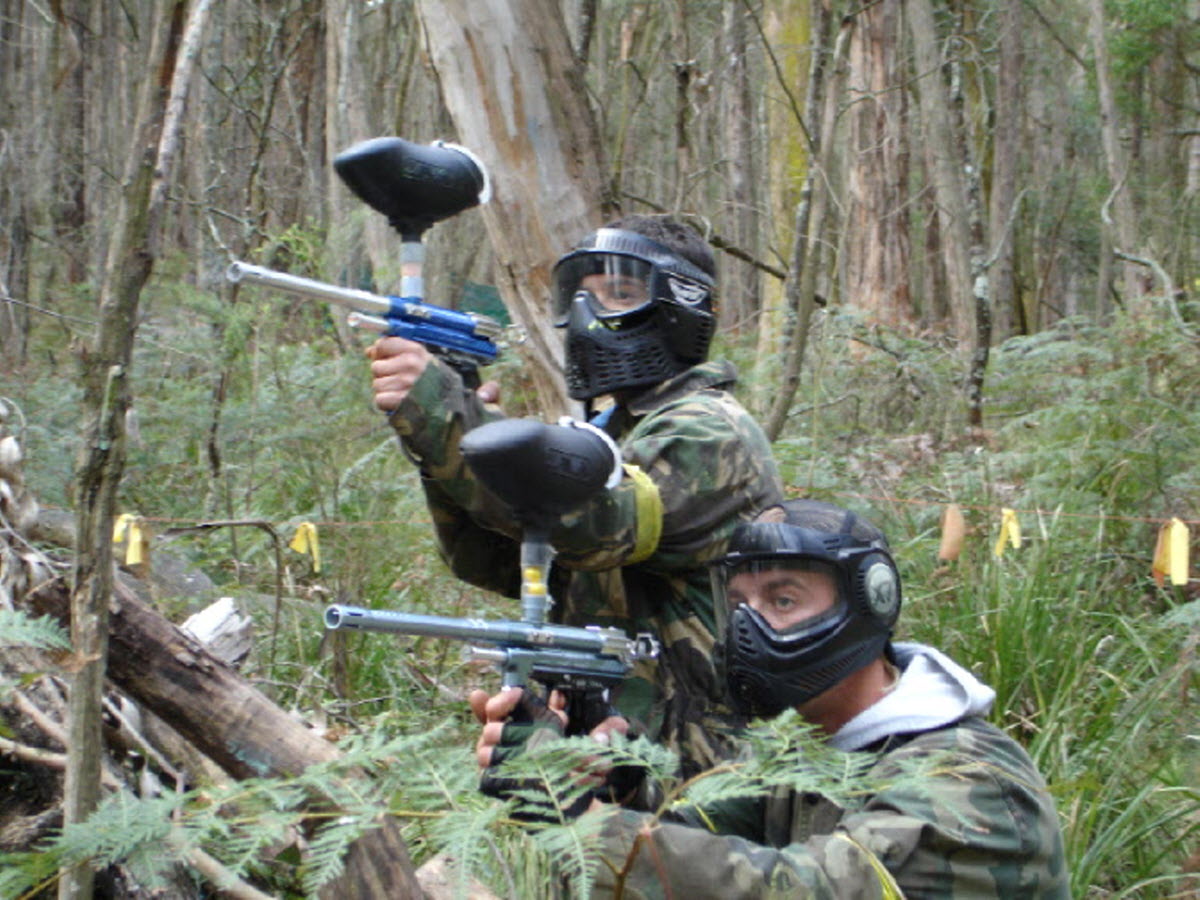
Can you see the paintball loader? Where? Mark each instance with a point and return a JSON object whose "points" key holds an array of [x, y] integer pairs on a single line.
{"points": [[414, 185], [540, 472]]}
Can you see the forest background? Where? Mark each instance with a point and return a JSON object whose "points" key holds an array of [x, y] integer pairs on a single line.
{"points": [[958, 247]]}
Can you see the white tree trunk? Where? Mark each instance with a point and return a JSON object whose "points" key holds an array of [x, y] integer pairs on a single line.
{"points": [[512, 85]]}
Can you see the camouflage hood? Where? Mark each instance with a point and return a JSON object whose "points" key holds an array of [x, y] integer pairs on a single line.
{"points": [[933, 691]]}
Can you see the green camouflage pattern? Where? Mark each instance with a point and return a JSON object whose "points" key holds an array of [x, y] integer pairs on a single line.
{"points": [[713, 467], [979, 823]]}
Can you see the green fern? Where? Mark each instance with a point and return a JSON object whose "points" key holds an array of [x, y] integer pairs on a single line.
{"points": [[17, 629]]}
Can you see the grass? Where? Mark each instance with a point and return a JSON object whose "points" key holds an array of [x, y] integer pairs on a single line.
{"points": [[1099, 696]]}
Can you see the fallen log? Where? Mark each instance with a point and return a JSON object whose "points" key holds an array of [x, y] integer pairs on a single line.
{"points": [[230, 721]]}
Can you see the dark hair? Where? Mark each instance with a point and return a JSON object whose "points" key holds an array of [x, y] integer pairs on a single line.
{"points": [[826, 517], [679, 237]]}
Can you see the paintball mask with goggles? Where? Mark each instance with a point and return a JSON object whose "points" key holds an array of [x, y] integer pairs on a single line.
{"points": [[771, 668], [635, 312]]}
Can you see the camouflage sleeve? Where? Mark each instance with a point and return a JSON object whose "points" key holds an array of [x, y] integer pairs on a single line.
{"points": [[476, 537], [648, 860], [431, 422], [480, 556], [709, 465], [981, 827], [703, 459]]}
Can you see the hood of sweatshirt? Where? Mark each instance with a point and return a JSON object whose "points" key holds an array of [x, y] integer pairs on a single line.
{"points": [[933, 691]]}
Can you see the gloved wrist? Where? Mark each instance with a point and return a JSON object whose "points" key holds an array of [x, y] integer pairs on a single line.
{"points": [[532, 727]]}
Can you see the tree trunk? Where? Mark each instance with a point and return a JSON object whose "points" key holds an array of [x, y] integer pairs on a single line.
{"points": [[739, 288], [787, 25], [130, 259], [824, 96], [980, 265], [877, 249], [684, 67], [346, 124], [509, 78], [174, 676], [25, 195], [1006, 143], [942, 153], [67, 165], [14, 283], [1122, 220]]}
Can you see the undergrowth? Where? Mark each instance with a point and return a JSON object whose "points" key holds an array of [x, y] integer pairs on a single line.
{"points": [[1090, 437]]}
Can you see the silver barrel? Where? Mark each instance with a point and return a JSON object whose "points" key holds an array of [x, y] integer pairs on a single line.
{"points": [[591, 639], [361, 301], [350, 298]]}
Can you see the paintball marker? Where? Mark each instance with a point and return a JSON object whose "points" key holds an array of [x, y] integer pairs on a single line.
{"points": [[414, 186], [540, 472]]}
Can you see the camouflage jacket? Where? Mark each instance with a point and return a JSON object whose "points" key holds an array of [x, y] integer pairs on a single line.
{"points": [[957, 810], [636, 557]]}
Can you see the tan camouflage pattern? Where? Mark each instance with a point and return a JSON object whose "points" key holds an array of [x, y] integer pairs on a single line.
{"points": [[713, 467], [980, 824]]}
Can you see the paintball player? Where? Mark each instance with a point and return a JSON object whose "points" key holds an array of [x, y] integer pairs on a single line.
{"points": [[809, 594], [636, 300]]}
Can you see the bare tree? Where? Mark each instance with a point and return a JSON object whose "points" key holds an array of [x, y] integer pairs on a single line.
{"points": [[1006, 144], [132, 252], [785, 30], [826, 87], [959, 194], [942, 151], [1122, 221], [741, 163]]}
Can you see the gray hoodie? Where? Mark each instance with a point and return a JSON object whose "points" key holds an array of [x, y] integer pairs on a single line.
{"points": [[933, 691]]}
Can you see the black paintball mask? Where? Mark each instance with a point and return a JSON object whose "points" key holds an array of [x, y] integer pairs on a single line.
{"points": [[769, 669], [635, 313]]}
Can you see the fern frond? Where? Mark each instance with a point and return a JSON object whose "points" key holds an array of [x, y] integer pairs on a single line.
{"points": [[21, 873], [327, 850], [17, 629]]}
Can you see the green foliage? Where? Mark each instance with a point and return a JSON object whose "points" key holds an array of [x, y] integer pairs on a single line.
{"points": [[20, 630], [1092, 681], [1147, 29], [19, 872], [782, 752], [254, 408], [1095, 450]]}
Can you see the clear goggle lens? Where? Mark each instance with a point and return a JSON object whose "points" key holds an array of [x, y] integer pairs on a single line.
{"points": [[613, 284], [786, 593]]}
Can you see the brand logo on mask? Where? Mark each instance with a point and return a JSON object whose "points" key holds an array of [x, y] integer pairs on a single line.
{"points": [[881, 589], [686, 292]]}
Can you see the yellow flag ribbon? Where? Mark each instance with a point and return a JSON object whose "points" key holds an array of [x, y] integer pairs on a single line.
{"points": [[1171, 553], [128, 530], [305, 541], [1010, 531]]}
